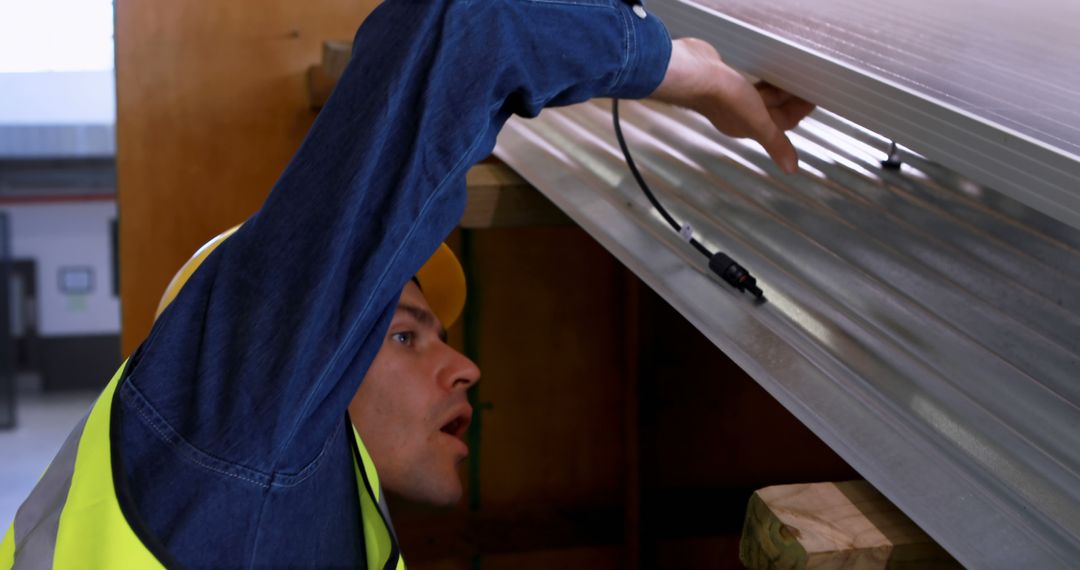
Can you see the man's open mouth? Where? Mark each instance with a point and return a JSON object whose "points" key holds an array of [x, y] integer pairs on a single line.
{"points": [[457, 426]]}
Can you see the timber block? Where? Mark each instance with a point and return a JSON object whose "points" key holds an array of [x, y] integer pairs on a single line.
{"points": [[834, 526]]}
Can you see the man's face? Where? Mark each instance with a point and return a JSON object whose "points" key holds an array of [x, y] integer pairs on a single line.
{"points": [[411, 410]]}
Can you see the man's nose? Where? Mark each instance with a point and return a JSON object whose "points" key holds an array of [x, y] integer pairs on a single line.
{"points": [[460, 371]]}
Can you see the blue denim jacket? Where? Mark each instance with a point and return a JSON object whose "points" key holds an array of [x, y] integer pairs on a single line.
{"points": [[230, 424]]}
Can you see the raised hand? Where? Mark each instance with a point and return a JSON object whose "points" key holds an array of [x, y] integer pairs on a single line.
{"points": [[698, 79]]}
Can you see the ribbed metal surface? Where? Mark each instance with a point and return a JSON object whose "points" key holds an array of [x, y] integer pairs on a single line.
{"points": [[57, 141], [987, 87], [925, 327]]}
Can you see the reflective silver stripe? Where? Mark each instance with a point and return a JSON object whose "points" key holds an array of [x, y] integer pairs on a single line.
{"points": [[38, 519]]}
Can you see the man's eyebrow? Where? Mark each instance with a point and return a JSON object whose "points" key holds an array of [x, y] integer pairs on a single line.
{"points": [[424, 317]]}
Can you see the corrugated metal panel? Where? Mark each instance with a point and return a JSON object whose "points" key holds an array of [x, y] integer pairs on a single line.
{"points": [[987, 87], [57, 141], [924, 326]]}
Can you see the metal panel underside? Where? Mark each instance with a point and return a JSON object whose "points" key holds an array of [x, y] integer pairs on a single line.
{"points": [[987, 87], [923, 326]]}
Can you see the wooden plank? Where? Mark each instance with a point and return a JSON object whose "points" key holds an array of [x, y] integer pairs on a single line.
{"points": [[499, 198], [550, 349], [834, 526]]}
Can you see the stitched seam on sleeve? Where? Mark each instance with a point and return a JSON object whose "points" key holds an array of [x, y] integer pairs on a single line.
{"points": [[628, 36]]}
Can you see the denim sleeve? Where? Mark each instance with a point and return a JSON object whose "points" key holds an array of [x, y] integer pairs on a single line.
{"points": [[250, 369]]}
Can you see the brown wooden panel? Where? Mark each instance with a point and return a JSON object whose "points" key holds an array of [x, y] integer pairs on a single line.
{"points": [[707, 424], [212, 102], [698, 553], [569, 559], [462, 535], [550, 322]]}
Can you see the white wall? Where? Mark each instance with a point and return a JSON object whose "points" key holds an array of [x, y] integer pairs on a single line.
{"points": [[68, 234]]}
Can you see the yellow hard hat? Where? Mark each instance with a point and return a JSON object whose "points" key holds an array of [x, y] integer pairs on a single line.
{"points": [[441, 279]]}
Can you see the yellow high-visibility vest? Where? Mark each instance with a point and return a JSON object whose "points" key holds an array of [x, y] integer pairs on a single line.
{"points": [[72, 518]]}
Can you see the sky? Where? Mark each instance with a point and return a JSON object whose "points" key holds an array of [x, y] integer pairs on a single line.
{"points": [[56, 35]]}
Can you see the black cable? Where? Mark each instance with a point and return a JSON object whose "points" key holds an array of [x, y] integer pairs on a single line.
{"points": [[719, 262]]}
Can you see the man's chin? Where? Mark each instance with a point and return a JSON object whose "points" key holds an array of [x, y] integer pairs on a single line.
{"points": [[436, 494], [447, 500]]}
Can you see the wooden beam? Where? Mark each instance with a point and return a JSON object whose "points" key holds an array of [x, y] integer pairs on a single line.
{"points": [[834, 526], [499, 198], [322, 78]]}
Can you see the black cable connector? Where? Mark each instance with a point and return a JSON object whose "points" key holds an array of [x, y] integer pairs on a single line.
{"points": [[720, 263], [736, 275]]}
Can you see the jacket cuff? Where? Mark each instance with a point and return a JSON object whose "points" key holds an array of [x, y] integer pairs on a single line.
{"points": [[648, 52]]}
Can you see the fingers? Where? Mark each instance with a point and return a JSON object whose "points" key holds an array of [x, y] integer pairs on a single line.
{"points": [[698, 79], [786, 109], [782, 152], [779, 148], [789, 115], [772, 95]]}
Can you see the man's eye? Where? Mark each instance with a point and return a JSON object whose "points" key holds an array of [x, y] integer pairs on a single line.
{"points": [[405, 338]]}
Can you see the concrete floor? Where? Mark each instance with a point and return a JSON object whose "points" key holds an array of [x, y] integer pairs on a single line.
{"points": [[43, 421]]}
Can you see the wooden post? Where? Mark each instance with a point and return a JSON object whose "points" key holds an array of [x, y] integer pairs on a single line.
{"points": [[833, 526], [323, 77]]}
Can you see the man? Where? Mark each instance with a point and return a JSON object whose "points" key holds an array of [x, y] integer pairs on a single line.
{"points": [[224, 440]]}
